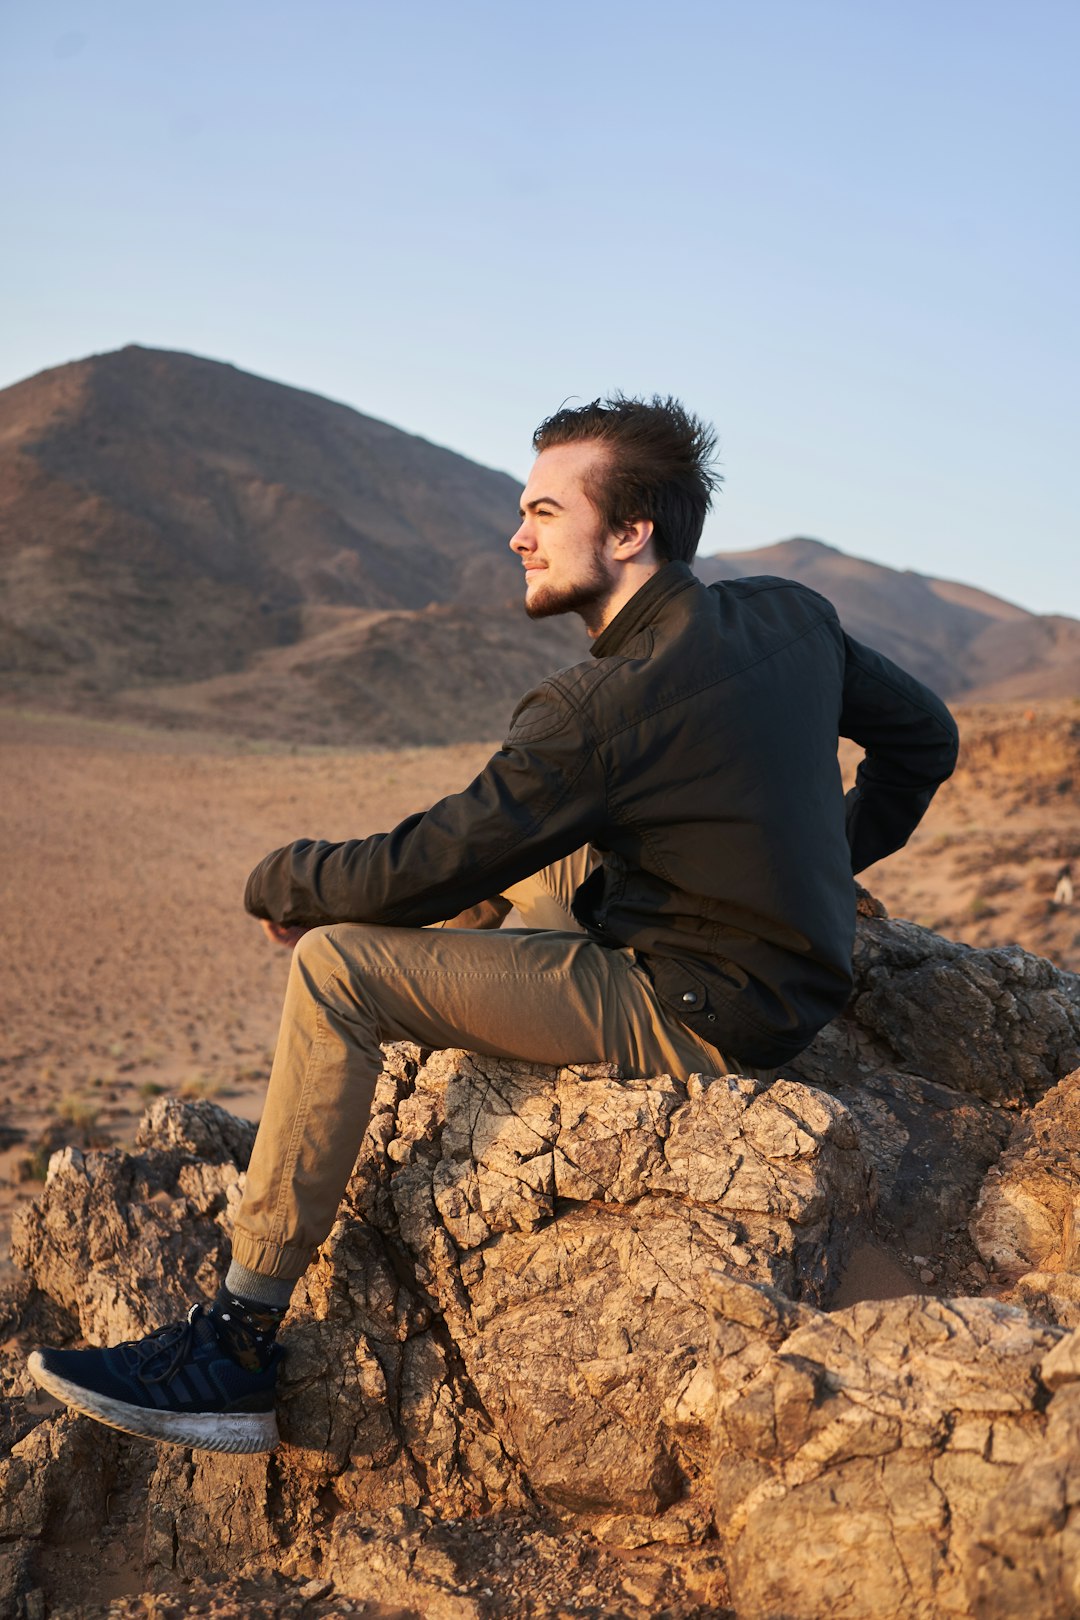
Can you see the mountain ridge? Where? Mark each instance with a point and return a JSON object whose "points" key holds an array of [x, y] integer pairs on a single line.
{"points": [[188, 543]]}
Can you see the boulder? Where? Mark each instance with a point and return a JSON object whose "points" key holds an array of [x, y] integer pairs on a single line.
{"points": [[562, 1224], [36, 1498], [1026, 1222], [939, 1048], [893, 1458], [1027, 1217], [999, 1024], [563, 1302], [121, 1240], [509, 1311]]}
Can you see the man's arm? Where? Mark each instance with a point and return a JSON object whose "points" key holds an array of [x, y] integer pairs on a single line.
{"points": [[911, 744], [540, 797]]}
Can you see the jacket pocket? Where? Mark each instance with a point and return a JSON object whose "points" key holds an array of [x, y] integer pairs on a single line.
{"points": [[682, 991]]}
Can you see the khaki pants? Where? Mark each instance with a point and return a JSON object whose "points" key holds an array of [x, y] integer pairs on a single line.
{"points": [[548, 995]]}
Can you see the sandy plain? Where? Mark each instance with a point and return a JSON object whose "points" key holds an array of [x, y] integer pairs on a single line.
{"points": [[128, 966]]}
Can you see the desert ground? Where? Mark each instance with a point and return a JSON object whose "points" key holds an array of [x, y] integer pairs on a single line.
{"points": [[129, 966]]}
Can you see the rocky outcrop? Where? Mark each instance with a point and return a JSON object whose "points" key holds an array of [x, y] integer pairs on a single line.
{"points": [[1000, 1024], [894, 1458], [1026, 1222], [511, 1307], [938, 1050], [594, 1309], [123, 1240]]}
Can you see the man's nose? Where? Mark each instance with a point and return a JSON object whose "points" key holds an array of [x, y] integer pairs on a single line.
{"points": [[523, 540]]}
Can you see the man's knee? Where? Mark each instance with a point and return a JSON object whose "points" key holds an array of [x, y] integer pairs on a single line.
{"points": [[333, 953], [312, 947], [357, 954]]}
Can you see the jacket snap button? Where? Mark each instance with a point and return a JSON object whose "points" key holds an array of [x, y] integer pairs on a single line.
{"points": [[689, 996]]}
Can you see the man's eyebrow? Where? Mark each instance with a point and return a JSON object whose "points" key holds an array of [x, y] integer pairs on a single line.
{"points": [[541, 500]]}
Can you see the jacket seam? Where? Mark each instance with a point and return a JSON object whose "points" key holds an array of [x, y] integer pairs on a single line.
{"points": [[693, 691], [603, 673]]}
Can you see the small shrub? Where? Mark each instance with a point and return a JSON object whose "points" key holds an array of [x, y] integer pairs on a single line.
{"points": [[79, 1112], [200, 1086]]}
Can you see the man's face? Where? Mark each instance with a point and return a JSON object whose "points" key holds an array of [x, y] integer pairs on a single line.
{"points": [[562, 541]]}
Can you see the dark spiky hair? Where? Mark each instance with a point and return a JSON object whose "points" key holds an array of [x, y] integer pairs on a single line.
{"points": [[660, 465]]}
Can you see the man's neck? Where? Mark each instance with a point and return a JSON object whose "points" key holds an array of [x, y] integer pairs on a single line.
{"points": [[632, 576]]}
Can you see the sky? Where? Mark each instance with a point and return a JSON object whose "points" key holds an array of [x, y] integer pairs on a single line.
{"points": [[844, 231]]}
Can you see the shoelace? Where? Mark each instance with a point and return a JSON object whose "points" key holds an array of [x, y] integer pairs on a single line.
{"points": [[176, 1337]]}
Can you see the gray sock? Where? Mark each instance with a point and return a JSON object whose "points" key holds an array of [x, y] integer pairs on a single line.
{"points": [[276, 1291]]}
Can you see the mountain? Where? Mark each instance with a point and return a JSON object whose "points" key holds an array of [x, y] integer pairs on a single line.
{"points": [[187, 544], [963, 642]]}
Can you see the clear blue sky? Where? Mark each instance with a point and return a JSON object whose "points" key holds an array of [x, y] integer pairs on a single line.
{"points": [[844, 230]]}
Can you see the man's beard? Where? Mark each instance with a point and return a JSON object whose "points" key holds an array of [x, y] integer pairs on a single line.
{"points": [[585, 596]]}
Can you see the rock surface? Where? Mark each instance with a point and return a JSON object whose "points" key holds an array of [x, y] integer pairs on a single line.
{"points": [[1028, 1213], [938, 1050], [1026, 1221], [845, 1489], [121, 1239], [573, 1326], [509, 1310], [998, 1024]]}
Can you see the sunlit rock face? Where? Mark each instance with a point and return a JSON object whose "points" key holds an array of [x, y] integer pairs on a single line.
{"points": [[600, 1303], [893, 1457]]}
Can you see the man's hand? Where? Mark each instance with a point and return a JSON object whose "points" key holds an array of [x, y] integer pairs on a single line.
{"points": [[280, 934]]}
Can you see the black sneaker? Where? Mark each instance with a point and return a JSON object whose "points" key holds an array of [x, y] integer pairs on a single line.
{"points": [[179, 1384]]}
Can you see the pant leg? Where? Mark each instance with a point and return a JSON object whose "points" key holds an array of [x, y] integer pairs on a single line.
{"points": [[544, 900], [539, 996]]}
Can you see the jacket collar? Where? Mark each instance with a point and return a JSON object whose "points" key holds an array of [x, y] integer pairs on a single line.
{"points": [[643, 607]]}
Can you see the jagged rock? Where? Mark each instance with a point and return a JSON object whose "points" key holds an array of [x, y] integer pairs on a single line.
{"points": [[1000, 1024], [512, 1314], [510, 1307], [1027, 1554], [930, 1147], [938, 1047], [121, 1239], [871, 1462], [584, 1334], [200, 1129], [37, 1500], [1028, 1213], [1026, 1222]]}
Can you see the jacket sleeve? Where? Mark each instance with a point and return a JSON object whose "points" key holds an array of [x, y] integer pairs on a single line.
{"points": [[911, 744], [538, 798]]}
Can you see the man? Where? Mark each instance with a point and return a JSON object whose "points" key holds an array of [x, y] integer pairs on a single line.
{"points": [[680, 789]]}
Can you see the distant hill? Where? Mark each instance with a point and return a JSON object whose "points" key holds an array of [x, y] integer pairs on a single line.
{"points": [[191, 545]]}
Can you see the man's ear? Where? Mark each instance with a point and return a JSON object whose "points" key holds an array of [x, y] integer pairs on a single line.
{"points": [[632, 540]]}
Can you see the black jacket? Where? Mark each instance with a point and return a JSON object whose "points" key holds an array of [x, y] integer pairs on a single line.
{"points": [[696, 750]]}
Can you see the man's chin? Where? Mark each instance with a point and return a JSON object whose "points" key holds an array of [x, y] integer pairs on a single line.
{"points": [[545, 604]]}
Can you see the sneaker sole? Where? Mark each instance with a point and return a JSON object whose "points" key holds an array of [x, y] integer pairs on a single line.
{"points": [[246, 1432]]}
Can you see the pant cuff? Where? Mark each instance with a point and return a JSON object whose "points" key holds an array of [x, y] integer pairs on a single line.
{"points": [[284, 1261]]}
